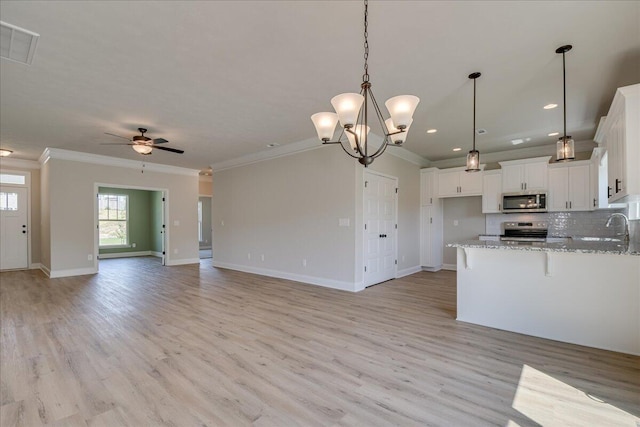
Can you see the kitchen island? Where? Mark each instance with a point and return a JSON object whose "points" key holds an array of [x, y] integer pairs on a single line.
{"points": [[578, 291]]}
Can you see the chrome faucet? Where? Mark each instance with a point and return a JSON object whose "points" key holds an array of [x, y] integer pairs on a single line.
{"points": [[626, 224]]}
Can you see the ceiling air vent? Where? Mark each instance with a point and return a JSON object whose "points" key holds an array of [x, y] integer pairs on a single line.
{"points": [[481, 131], [17, 44]]}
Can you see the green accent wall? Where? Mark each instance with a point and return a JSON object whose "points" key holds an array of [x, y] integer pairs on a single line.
{"points": [[206, 222], [140, 215]]}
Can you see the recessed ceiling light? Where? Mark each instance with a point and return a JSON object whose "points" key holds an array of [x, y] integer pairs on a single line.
{"points": [[432, 131], [457, 149], [273, 144], [517, 141], [554, 134], [550, 106], [4, 152]]}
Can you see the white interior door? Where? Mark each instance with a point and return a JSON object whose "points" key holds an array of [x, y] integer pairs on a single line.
{"points": [[380, 219], [13, 228]]}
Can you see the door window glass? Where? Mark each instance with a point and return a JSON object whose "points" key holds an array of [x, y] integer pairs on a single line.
{"points": [[8, 178], [8, 201]]}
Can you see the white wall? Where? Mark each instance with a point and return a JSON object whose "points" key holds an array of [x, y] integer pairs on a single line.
{"points": [[68, 192], [471, 222], [287, 209]]}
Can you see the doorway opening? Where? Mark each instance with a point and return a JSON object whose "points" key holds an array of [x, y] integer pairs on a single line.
{"points": [[204, 227], [130, 222]]}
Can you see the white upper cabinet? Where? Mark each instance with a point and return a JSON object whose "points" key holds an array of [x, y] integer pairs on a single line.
{"points": [[620, 136], [570, 187], [525, 174], [428, 193], [492, 191], [456, 182]]}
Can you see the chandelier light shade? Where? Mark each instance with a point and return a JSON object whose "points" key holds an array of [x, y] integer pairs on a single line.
{"points": [[565, 150], [325, 124], [142, 149], [357, 135], [354, 109], [4, 152], [473, 158], [396, 135]]}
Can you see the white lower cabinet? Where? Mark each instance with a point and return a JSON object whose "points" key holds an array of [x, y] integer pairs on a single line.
{"points": [[431, 242], [570, 187]]}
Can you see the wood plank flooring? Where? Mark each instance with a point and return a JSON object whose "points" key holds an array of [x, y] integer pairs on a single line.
{"points": [[144, 345]]}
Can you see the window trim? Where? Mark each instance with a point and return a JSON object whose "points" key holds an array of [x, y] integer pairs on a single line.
{"points": [[128, 239]]}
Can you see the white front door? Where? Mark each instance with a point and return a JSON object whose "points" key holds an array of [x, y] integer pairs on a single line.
{"points": [[380, 221], [13, 228]]}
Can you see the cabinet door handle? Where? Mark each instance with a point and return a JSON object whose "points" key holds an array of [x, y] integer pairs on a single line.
{"points": [[566, 205], [499, 206], [594, 202], [618, 182], [608, 192], [569, 205], [430, 199], [525, 185], [430, 220]]}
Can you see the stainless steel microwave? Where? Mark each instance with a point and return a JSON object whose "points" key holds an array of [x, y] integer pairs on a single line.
{"points": [[526, 201]]}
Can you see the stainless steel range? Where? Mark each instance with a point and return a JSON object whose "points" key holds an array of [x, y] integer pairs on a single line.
{"points": [[535, 231]]}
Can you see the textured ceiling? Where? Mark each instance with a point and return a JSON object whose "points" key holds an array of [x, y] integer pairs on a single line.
{"points": [[224, 79]]}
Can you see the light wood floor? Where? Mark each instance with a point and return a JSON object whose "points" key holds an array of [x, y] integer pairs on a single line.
{"points": [[144, 345]]}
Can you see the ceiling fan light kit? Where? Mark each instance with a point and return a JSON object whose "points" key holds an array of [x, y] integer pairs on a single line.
{"points": [[565, 150], [473, 158], [352, 111]]}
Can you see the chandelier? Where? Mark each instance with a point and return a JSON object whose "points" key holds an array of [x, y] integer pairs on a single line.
{"points": [[353, 109]]}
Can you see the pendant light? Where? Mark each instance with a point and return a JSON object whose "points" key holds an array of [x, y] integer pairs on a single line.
{"points": [[352, 111], [473, 158], [564, 146]]}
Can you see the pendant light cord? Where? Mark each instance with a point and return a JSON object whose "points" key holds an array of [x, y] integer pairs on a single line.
{"points": [[564, 97], [474, 114], [365, 76]]}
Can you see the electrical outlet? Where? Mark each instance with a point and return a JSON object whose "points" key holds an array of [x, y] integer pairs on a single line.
{"points": [[402, 258], [90, 257], [249, 255], [304, 262], [222, 223], [455, 222], [133, 245], [262, 257], [175, 251]]}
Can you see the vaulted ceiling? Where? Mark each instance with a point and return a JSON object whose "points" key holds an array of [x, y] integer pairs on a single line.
{"points": [[224, 79]]}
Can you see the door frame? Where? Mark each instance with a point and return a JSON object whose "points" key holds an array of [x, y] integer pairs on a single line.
{"points": [[27, 185], [363, 243], [165, 217]]}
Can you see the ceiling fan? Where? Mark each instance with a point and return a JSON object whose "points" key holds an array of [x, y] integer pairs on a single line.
{"points": [[143, 144]]}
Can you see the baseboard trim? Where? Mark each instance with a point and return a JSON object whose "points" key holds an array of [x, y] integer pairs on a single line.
{"points": [[311, 280], [182, 261], [408, 271], [45, 270], [35, 266], [71, 272], [124, 254], [451, 267], [156, 254]]}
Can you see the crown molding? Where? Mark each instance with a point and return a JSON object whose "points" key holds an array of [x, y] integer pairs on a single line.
{"points": [[520, 153], [409, 156], [96, 159], [18, 163]]}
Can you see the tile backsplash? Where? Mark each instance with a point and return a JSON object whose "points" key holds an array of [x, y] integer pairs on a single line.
{"points": [[565, 224]]}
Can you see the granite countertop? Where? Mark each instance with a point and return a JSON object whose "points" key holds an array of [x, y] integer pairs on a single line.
{"points": [[570, 245]]}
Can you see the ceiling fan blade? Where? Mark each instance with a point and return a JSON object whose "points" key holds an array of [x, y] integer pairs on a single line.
{"points": [[173, 150], [118, 136], [116, 143], [159, 141]]}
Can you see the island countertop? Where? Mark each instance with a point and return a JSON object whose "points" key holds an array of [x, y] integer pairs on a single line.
{"points": [[570, 245]]}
